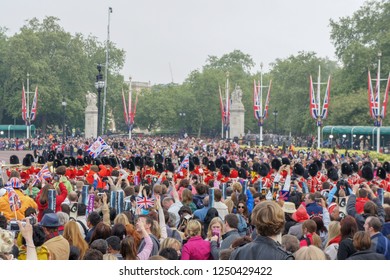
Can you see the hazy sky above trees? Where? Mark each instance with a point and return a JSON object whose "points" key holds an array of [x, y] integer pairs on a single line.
{"points": [[169, 39]]}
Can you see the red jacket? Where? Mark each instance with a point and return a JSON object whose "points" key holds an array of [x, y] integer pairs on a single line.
{"points": [[59, 199]]}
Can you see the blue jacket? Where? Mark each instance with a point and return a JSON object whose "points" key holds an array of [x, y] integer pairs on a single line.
{"points": [[313, 209], [381, 245]]}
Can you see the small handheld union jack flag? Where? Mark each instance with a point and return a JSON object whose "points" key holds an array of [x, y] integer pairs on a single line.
{"points": [[144, 202], [43, 174]]}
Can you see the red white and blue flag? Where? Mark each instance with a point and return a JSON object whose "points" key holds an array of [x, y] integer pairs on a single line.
{"points": [[125, 109], [386, 98], [373, 98], [144, 202], [325, 106], [256, 102], [43, 174], [185, 163], [13, 199], [34, 106], [265, 114], [24, 105], [98, 147], [313, 101]]}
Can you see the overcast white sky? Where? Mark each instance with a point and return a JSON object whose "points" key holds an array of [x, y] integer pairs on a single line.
{"points": [[182, 33]]}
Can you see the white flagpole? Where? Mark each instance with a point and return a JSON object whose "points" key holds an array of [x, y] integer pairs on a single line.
{"points": [[261, 104], [28, 107], [378, 136], [319, 107]]}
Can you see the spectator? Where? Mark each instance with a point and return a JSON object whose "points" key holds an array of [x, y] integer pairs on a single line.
{"points": [[268, 218], [362, 243]]}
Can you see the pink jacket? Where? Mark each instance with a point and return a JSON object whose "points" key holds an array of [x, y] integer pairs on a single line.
{"points": [[196, 249]]}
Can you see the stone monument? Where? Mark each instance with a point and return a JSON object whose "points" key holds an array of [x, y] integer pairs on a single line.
{"points": [[237, 114], [91, 116]]}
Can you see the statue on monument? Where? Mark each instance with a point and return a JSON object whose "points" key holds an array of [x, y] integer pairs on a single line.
{"points": [[91, 99], [237, 95]]}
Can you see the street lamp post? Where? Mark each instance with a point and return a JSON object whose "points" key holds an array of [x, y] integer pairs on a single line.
{"points": [[182, 116], [99, 85], [275, 113]]}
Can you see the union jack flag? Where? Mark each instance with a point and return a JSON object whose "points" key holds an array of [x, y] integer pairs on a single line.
{"points": [[384, 106], [313, 101], [34, 106], [144, 202], [13, 199], [265, 114], [325, 106], [256, 102], [373, 98], [125, 109], [43, 174], [97, 147], [185, 163]]}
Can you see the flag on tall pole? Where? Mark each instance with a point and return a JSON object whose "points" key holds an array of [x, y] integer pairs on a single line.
{"points": [[313, 102], [265, 114], [34, 106], [386, 98], [260, 115], [24, 106], [325, 106], [125, 109]]}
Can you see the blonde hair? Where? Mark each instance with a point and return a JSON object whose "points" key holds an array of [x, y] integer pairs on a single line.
{"points": [[155, 229], [193, 228], [121, 219], [215, 220], [310, 253], [73, 235], [170, 242], [6, 241], [334, 231], [237, 187], [109, 257], [230, 204]]}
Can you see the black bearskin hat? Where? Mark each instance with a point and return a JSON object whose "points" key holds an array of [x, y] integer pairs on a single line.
{"points": [[381, 173], [298, 169], [346, 169], [313, 169], [225, 170], [276, 164], [332, 174], [14, 159], [367, 173]]}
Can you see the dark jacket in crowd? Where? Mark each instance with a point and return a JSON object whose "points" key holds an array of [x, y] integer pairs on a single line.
{"points": [[262, 248], [156, 245], [366, 255], [346, 249], [361, 218]]}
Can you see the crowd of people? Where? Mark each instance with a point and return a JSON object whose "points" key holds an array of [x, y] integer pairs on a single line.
{"points": [[193, 199]]}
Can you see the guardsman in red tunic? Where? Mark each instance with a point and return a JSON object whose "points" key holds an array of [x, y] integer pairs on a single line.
{"points": [[312, 182]]}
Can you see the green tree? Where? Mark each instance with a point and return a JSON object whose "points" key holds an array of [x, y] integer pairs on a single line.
{"points": [[62, 65], [290, 93]]}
